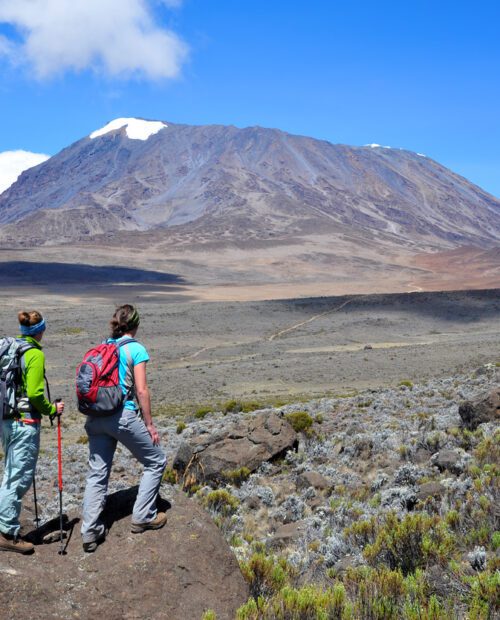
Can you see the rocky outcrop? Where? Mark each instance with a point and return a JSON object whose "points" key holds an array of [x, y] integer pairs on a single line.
{"points": [[176, 573], [485, 408], [213, 458], [450, 460]]}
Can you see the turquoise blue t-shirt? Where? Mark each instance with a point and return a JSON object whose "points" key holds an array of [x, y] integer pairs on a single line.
{"points": [[130, 355]]}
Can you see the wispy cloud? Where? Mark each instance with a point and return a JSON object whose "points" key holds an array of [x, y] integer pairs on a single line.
{"points": [[120, 38], [12, 163], [173, 4]]}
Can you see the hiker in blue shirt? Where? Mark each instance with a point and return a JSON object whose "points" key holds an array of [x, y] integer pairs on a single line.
{"points": [[133, 427]]}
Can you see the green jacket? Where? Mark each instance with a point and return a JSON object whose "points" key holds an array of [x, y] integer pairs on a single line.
{"points": [[33, 381]]}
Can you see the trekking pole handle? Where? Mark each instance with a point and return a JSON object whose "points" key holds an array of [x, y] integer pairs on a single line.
{"points": [[53, 415]]}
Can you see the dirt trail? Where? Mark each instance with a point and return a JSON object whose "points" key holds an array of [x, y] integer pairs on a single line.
{"points": [[197, 353], [313, 318]]}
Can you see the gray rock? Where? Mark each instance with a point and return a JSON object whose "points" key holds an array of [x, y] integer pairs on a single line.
{"points": [[288, 533], [430, 489], [485, 408], [247, 443], [450, 460], [313, 479]]}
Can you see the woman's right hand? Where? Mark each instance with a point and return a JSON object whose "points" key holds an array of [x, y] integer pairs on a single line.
{"points": [[154, 433], [59, 407]]}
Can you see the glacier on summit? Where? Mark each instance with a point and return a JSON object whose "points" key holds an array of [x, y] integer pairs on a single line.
{"points": [[136, 128]]}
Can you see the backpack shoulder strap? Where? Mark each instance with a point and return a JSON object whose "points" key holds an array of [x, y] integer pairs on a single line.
{"points": [[124, 342], [129, 375], [24, 347]]}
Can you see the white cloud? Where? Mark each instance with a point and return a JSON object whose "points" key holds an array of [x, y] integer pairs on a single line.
{"points": [[117, 37], [12, 163]]}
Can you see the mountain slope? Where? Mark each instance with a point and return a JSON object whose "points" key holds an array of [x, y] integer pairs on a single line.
{"points": [[224, 183]]}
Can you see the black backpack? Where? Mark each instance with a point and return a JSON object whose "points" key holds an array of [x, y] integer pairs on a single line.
{"points": [[11, 353]]}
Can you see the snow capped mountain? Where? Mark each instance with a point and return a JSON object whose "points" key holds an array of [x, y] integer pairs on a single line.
{"points": [[12, 163], [221, 182], [135, 128]]}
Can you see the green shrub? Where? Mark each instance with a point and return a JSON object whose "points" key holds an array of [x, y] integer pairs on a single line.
{"points": [[180, 427], [201, 412], [410, 543], [231, 406], [209, 615], [301, 421], [236, 476], [488, 450], [169, 475], [362, 533], [221, 501], [265, 575], [406, 383], [235, 406], [484, 597]]}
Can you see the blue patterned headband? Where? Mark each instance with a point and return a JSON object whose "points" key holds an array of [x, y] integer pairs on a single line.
{"points": [[32, 330]]}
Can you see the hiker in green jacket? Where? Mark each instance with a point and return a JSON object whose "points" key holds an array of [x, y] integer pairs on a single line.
{"points": [[21, 432]]}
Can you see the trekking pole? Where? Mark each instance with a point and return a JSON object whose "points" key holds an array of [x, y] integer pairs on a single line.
{"points": [[37, 520], [60, 480]]}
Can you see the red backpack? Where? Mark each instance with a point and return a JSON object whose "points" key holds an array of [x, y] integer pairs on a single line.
{"points": [[98, 388]]}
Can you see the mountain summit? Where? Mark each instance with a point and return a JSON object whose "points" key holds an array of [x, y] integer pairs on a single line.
{"points": [[141, 175], [296, 208]]}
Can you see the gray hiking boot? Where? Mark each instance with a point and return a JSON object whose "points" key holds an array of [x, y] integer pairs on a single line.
{"points": [[15, 544], [158, 522], [90, 547]]}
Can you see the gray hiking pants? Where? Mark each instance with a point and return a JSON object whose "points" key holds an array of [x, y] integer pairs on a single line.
{"points": [[127, 428]]}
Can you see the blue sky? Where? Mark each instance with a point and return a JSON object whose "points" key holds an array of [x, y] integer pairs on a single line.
{"points": [[422, 75]]}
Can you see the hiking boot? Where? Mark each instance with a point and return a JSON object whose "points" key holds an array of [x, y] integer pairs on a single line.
{"points": [[90, 547], [16, 544], [158, 522]]}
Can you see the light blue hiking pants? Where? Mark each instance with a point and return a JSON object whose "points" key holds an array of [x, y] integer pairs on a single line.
{"points": [[104, 433], [20, 443]]}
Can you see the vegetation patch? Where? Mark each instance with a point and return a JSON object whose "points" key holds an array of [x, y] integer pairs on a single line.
{"points": [[406, 383], [236, 476], [221, 501], [300, 421], [169, 476], [181, 426], [413, 542], [201, 412]]}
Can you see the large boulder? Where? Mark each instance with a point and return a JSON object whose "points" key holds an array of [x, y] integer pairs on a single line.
{"points": [[485, 408], [450, 460], [246, 444], [177, 572]]}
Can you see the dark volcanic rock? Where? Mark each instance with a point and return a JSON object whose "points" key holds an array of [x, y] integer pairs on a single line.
{"points": [[485, 408], [448, 459], [177, 572], [248, 443]]}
